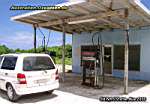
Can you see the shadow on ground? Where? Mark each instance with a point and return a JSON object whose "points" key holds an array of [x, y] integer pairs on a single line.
{"points": [[112, 87]]}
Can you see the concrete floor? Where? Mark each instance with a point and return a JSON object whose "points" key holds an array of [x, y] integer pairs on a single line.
{"points": [[113, 86], [72, 92]]}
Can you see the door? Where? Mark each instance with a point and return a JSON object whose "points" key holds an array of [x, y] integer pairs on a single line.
{"points": [[108, 59]]}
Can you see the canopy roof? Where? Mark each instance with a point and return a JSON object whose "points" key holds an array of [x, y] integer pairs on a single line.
{"points": [[89, 15]]}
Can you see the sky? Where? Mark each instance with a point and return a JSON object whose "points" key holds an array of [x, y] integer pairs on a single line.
{"points": [[17, 35], [146, 3]]}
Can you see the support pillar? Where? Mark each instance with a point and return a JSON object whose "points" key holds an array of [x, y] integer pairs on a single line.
{"points": [[44, 48], [63, 52], [126, 56], [34, 27], [126, 66]]}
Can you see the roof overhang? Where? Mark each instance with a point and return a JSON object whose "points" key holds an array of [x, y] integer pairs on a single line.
{"points": [[89, 15]]}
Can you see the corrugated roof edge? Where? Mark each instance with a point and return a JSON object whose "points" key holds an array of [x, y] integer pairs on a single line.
{"points": [[41, 11], [138, 2]]}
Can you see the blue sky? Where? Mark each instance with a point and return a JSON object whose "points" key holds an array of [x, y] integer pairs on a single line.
{"points": [[18, 35], [146, 3]]}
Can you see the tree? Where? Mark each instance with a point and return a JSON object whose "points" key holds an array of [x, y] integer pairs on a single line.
{"points": [[5, 50], [68, 51], [54, 49]]}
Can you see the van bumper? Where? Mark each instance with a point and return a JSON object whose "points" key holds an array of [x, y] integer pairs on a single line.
{"points": [[23, 89]]}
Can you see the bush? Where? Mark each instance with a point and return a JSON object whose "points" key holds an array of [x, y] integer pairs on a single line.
{"points": [[55, 49]]}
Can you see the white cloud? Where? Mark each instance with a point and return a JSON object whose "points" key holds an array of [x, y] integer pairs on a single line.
{"points": [[23, 40]]}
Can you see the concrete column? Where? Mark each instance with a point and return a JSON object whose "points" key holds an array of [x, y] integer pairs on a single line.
{"points": [[126, 56]]}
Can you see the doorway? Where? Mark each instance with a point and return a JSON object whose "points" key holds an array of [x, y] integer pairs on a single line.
{"points": [[107, 59]]}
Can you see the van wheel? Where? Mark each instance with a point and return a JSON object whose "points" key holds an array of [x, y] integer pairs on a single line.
{"points": [[50, 91], [11, 93]]}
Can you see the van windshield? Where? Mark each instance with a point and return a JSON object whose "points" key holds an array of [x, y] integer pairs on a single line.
{"points": [[37, 63]]}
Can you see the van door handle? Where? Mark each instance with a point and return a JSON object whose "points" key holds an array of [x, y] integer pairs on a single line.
{"points": [[6, 73]]}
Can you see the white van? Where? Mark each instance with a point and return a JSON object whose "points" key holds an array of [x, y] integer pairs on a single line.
{"points": [[22, 74]]}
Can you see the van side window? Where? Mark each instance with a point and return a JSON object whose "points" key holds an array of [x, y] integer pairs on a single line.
{"points": [[9, 63], [1, 57]]}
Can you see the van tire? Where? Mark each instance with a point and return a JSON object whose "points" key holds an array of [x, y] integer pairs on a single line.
{"points": [[11, 93]]}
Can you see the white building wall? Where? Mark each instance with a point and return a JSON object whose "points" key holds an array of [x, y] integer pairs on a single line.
{"points": [[137, 36]]}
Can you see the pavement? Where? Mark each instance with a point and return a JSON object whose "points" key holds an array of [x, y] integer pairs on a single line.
{"points": [[72, 92], [60, 97]]}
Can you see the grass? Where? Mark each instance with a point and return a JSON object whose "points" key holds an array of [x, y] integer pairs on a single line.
{"points": [[68, 61]]}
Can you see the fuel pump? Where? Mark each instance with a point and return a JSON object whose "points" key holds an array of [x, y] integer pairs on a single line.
{"points": [[92, 63]]}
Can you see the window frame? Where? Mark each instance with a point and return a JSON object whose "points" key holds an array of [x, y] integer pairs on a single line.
{"points": [[1, 61], [138, 47]]}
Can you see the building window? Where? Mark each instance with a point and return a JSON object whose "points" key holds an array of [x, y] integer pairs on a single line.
{"points": [[134, 57]]}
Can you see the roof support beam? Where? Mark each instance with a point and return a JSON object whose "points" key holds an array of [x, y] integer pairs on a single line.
{"points": [[46, 14], [82, 9], [88, 28], [28, 21], [112, 23], [96, 2], [97, 6], [54, 15], [69, 13], [41, 18], [51, 23], [73, 28], [63, 50], [138, 12], [94, 15], [141, 14], [85, 27], [55, 28]]}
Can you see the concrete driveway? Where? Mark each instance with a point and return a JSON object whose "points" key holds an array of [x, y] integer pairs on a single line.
{"points": [[58, 97], [72, 92]]}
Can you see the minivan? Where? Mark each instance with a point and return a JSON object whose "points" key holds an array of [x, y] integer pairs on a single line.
{"points": [[22, 74]]}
